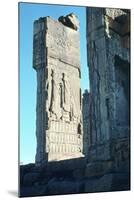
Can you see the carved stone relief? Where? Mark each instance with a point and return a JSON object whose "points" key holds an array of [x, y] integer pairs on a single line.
{"points": [[59, 90], [61, 100]]}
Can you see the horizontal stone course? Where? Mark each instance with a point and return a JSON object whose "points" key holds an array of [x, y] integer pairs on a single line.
{"points": [[63, 180]]}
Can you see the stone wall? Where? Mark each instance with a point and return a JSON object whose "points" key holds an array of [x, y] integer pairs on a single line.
{"points": [[87, 140], [108, 32], [56, 58], [70, 177]]}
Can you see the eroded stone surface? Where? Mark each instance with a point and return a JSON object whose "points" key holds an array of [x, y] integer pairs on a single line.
{"points": [[109, 69], [70, 20], [86, 111], [57, 62], [71, 181]]}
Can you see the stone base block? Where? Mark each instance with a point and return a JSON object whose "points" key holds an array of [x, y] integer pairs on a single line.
{"points": [[98, 168], [109, 182], [100, 152], [66, 165]]}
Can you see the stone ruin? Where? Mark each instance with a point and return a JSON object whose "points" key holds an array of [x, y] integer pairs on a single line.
{"points": [[67, 126], [108, 53], [56, 59]]}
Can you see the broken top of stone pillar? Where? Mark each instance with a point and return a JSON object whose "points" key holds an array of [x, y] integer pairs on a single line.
{"points": [[70, 20]]}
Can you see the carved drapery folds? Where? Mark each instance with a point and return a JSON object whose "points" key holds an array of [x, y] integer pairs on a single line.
{"points": [[61, 100]]}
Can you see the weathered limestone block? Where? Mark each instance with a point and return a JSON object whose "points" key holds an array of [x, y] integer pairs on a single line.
{"points": [[100, 151], [114, 13], [109, 69], [108, 182], [65, 41], [79, 174], [66, 165], [30, 178], [100, 168], [63, 187], [121, 154], [103, 184], [56, 58], [70, 20]]}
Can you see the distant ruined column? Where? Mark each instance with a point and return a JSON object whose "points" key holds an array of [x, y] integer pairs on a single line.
{"points": [[56, 59]]}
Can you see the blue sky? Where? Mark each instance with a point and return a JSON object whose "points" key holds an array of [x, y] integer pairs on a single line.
{"points": [[28, 13]]}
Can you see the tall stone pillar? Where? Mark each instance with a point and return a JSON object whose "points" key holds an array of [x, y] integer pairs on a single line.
{"points": [[56, 59], [109, 63]]}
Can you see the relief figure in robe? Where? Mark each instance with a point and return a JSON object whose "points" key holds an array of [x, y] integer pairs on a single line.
{"points": [[54, 108], [67, 99], [66, 96]]}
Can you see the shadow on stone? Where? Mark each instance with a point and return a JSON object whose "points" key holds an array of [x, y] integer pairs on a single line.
{"points": [[70, 177]]}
